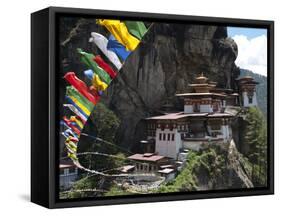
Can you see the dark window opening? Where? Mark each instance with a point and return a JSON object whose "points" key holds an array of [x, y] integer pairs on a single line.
{"points": [[71, 170], [196, 107], [250, 99]]}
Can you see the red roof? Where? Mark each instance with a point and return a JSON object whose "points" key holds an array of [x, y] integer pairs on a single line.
{"points": [[144, 157]]}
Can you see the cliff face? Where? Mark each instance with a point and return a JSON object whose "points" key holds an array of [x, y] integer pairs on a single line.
{"points": [[169, 57]]}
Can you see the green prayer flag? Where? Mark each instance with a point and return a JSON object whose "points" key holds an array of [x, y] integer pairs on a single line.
{"points": [[136, 28], [88, 59], [72, 92]]}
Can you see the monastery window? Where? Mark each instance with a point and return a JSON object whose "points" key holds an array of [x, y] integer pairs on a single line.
{"points": [[171, 127], [215, 107], [72, 170], [173, 137], [250, 99], [164, 136], [196, 107], [160, 136], [168, 137], [215, 126]]}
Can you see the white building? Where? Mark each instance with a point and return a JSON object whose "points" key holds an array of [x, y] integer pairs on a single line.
{"points": [[247, 89], [68, 174], [202, 122]]}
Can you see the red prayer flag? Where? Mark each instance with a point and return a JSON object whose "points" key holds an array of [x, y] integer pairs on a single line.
{"points": [[81, 87], [105, 66], [73, 139], [79, 118], [68, 123]]}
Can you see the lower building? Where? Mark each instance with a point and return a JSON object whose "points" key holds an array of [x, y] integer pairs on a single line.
{"points": [[68, 174], [148, 162]]}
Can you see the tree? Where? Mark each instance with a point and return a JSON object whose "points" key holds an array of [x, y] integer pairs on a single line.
{"points": [[106, 122], [255, 136]]}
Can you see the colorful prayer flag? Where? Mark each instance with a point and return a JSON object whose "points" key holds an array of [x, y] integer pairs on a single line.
{"points": [[81, 102], [69, 100], [77, 120], [118, 48], [80, 86], [88, 59], [120, 32], [97, 83], [72, 156], [82, 116], [105, 66], [75, 129], [136, 28], [102, 43]]}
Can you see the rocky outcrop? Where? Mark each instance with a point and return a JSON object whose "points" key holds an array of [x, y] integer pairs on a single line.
{"points": [[166, 61], [230, 172]]}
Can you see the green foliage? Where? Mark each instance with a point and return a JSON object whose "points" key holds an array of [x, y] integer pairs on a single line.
{"points": [[88, 182], [255, 136], [211, 161], [106, 122], [116, 191]]}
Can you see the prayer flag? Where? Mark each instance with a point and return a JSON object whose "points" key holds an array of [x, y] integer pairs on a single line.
{"points": [[80, 86], [105, 66], [88, 59], [85, 105], [98, 84], [77, 112], [75, 129], [120, 32], [76, 106], [118, 48], [77, 121], [136, 28], [101, 43]]}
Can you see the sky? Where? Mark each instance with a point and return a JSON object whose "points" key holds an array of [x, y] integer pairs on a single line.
{"points": [[252, 48]]}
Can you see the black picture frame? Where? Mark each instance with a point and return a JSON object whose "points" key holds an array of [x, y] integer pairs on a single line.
{"points": [[45, 117]]}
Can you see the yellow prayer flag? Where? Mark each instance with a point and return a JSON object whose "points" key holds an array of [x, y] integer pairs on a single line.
{"points": [[120, 32], [98, 83], [77, 121]]}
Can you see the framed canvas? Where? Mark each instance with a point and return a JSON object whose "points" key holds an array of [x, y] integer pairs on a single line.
{"points": [[138, 107]]}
